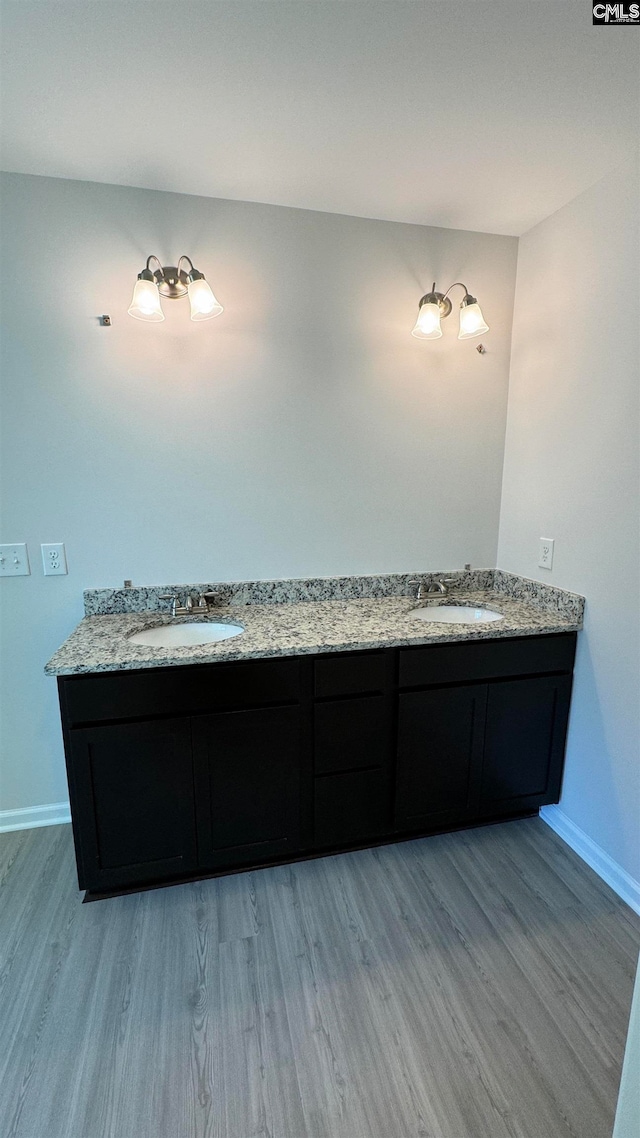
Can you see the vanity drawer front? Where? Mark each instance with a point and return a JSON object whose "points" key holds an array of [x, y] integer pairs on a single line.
{"points": [[486, 659], [350, 675], [350, 734], [179, 690], [351, 807]]}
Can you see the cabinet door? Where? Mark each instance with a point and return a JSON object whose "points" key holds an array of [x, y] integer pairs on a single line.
{"points": [[247, 767], [524, 743], [440, 734], [132, 802]]}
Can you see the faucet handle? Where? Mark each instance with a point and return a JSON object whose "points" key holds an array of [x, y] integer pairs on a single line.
{"points": [[210, 599], [170, 597], [421, 590]]}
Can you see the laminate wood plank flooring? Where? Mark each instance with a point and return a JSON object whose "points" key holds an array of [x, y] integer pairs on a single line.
{"points": [[468, 985]]}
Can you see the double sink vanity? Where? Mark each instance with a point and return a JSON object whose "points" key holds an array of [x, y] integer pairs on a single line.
{"points": [[272, 721]]}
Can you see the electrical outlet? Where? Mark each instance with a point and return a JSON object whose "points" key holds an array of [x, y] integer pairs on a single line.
{"points": [[54, 561], [545, 553], [14, 560]]}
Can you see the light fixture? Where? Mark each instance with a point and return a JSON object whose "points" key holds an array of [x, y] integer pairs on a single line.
{"points": [[435, 306], [173, 282]]}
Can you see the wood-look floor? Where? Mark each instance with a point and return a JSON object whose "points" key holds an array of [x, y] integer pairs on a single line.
{"points": [[471, 985]]}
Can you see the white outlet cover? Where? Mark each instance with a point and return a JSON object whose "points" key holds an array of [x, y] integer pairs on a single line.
{"points": [[545, 554], [54, 561], [14, 560]]}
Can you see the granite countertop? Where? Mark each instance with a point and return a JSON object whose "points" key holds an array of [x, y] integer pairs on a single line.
{"points": [[100, 644]]}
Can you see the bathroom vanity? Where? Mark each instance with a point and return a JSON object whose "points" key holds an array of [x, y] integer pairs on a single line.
{"points": [[199, 768]]}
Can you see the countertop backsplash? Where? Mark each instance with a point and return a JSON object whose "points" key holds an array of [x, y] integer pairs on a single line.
{"points": [[103, 602]]}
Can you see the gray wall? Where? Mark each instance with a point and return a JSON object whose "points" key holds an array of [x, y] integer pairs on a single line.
{"points": [[304, 431], [572, 473]]}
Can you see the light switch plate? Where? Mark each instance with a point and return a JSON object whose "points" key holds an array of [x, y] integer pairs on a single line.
{"points": [[14, 560], [54, 561], [545, 555]]}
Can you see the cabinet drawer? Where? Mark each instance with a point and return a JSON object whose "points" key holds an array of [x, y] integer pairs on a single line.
{"points": [[349, 675], [351, 807], [486, 659], [179, 691], [351, 733]]}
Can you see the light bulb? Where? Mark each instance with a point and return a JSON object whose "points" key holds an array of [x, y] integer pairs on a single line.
{"points": [[471, 320], [203, 303], [145, 303], [427, 326]]}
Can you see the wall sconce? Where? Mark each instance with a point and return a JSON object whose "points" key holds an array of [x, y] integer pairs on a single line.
{"points": [[173, 282], [436, 305]]}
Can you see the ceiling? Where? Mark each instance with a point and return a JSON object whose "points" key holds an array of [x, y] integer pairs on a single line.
{"points": [[473, 114]]}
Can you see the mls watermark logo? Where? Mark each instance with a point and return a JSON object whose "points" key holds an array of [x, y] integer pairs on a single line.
{"points": [[622, 13]]}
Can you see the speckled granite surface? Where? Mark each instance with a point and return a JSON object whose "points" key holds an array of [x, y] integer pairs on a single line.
{"points": [[100, 602], [100, 644], [293, 590]]}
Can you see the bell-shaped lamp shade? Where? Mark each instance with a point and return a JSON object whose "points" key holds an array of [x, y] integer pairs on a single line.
{"points": [[203, 303], [471, 321], [145, 303], [427, 325]]}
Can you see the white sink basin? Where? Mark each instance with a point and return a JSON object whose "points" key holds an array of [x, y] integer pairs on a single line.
{"points": [[184, 635], [455, 614]]}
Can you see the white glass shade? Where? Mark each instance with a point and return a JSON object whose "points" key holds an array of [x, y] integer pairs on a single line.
{"points": [[203, 303], [145, 303], [427, 325], [471, 322]]}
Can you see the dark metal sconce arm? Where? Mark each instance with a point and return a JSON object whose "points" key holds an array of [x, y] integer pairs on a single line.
{"points": [[185, 258], [147, 274], [461, 286], [442, 298], [172, 281], [193, 274]]}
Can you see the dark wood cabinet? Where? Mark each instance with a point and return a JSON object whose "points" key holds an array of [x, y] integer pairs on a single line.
{"points": [[133, 802], [524, 743], [470, 751], [352, 748], [176, 773], [350, 734], [440, 741], [247, 782], [351, 763], [351, 807]]}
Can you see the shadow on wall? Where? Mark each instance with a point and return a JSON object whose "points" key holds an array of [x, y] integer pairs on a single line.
{"points": [[590, 766]]}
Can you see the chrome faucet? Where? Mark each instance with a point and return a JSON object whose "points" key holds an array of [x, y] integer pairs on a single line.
{"points": [[206, 602], [437, 588]]}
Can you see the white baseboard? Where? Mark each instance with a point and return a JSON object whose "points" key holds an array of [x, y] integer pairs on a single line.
{"points": [[31, 816], [620, 881]]}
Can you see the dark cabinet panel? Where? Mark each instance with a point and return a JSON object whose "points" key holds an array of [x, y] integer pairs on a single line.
{"points": [[485, 659], [349, 675], [524, 743], [247, 766], [352, 807], [350, 734], [134, 809], [176, 772], [186, 690], [440, 736]]}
